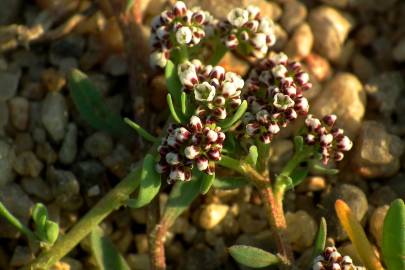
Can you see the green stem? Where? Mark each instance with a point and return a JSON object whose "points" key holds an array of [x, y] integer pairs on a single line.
{"points": [[16, 223], [231, 163], [116, 198]]}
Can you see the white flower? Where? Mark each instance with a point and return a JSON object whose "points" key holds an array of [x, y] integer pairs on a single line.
{"points": [[253, 11], [235, 78], [204, 92], [279, 71], [238, 16], [177, 174], [261, 53], [279, 58], [312, 123], [259, 41], [266, 26], [229, 89], [184, 35], [172, 158], [187, 74], [282, 101], [191, 152], [158, 58]]}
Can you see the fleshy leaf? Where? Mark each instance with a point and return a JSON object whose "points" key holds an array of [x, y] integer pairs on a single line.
{"points": [[298, 143], [230, 121], [172, 79], [252, 156], [298, 175], [231, 182], [105, 253], [357, 235], [141, 131], [393, 239], [149, 185], [252, 256], [323, 170], [320, 241], [91, 106], [51, 231], [40, 216], [172, 109], [206, 182]]}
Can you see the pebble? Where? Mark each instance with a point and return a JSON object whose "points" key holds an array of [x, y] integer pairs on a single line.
{"points": [[383, 195], [363, 67], [53, 80], [330, 28], [312, 184], [300, 237], [39, 135], [377, 222], [159, 92], [294, 14], [300, 44], [365, 35], [7, 174], [54, 115], [68, 150], [141, 243], [46, 153], [4, 115], [119, 161], [23, 142], [233, 64], [344, 96], [281, 37], [9, 84], [201, 257], [318, 67], [138, 261], [65, 188], [269, 9], [280, 152], [71, 46], [19, 108], [27, 164], [37, 187], [67, 264], [377, 153], [19, 204], [22, 255], [212, 215], [116, 65], [99, 144], [355, 199], [349, 250], [398, 52]]}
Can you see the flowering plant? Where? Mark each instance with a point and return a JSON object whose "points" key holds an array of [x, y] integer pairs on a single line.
{"points": [[219, 119]]}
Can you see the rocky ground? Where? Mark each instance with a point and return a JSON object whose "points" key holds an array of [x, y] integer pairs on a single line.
{"points": [[355, 53]]}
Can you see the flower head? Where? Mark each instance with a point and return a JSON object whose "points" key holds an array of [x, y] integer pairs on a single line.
{"points": [[245, 30], [197, 143], [331, 259], [274, 91], [331, 140]]}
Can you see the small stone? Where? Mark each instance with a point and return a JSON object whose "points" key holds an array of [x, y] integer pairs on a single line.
{"points": [[280, 152], [27, 164], [383, 195], [201, 257], [99, 145], [141, 243], [46, 153], [377, 222], [37, 187], [294, 14], [212, 215], [19, 109], [53, 79], [116, 65], [6, 170], [67, 64], [344, 96], [251, 224], [65, 188], [312, 184], [68, 150], [376, 151], [300, 237], [39, 135], [9, 84], [300, 44], [19, 204], [330, 29], [365, 35], [54, 115], [233, 64], [363, 67], [138, 261], [268, 9], [319, 67], [70, 46], [4, 115], [23, 142], [399, 51], [355, 199], [119, 161], [346, 54], [21, 256], [281, 37]]}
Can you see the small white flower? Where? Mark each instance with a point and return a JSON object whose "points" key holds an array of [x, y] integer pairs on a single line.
{"points": [[274, 128], [238, 16], [312, 123], [191, 152], [202, 163], [279, 71], [259, 41], [263, 116], [326, 139], [172, 158], [187, 74], [279, 58], [158, 58], [260, 53], [180, 7], [162, 32], [253, 11], [229, 89], [345, 144], [177, 174], [282, 101], [266, 26], [235, 78], [204, 92], [196, 123], [212, 136], [184, 35]]}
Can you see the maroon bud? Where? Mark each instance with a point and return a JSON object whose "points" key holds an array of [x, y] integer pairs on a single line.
{"points": [[214, 154], [338, 156], [266, 138], [329, 120]]}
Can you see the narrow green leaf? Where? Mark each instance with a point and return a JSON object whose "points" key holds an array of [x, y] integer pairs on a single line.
{"points": [[252, 156], [322, 170], [393, 239], [51, 231], [141, 131], [206, 182], [16, 222], [320, 241], [220, 51], [150, 184], [172, 109], [184, 103], [285, 181], [298, 175], [230, 121], [105, 253], [91, 106], [252, 256], [172, 79], [298, 143], [230, 182]]}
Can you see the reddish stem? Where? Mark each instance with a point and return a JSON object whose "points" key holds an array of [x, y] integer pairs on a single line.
{"points": [[157, 248]]}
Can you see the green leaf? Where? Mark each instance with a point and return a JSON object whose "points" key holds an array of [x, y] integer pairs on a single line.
{"points": [[232, 182], [172, 79], [393, 239], [184, 103], [150, 184], [105, 253], [285, 181], [206, 182], [252, 256], [40, 216], [298, 175], [141, 132], [317, 168], [91, 106], [298, 143], [172, 109], [320, 240], [252, 156], [51, 231], [230, 163], [230, 121], [220, 51]]}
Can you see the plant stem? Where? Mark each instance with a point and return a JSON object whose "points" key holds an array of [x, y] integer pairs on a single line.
{"points": [[157, 242], [116, 198]]}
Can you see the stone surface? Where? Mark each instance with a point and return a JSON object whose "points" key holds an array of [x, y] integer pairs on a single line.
{"points": [[293, 15], [300, 237], [9, 84], [212, 215], [232, 63], [363, 67], [65, 188], [376, 151], [46, 153], [7, 174], [27, 164], [377, 222], [344, 96], [68, 150], [54, 115], [399, 51], [99, 145], [19, 108], [139, 261], [330, 28], [19, 204], [37, 187], [300, 44], [9, 11], [4, 116], [355, 199], [21, 256]]}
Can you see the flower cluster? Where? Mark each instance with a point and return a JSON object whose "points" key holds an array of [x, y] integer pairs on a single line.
{"points": [[274, 91], [331, 140], [197, 144], [215, 92], [331, 259], [177, 27], [246, 30]]}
